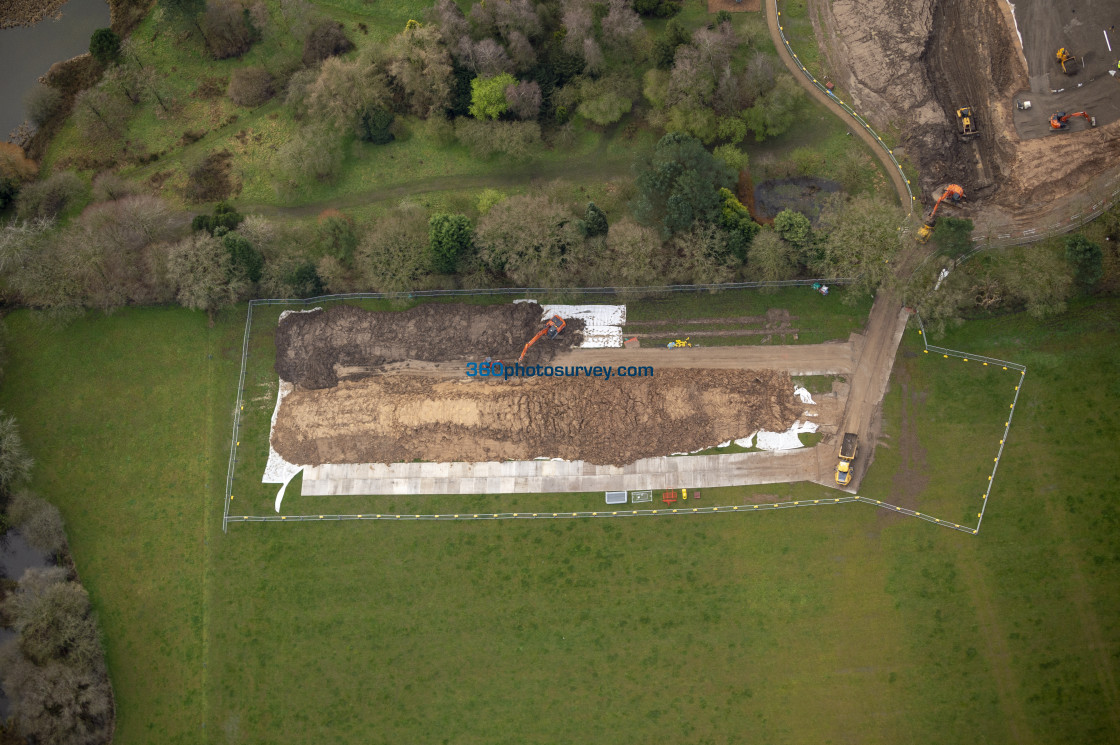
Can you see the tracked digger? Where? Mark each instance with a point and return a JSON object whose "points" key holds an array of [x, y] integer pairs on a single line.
{"points": [[1060, 120], [952, 192], [552, 329]]}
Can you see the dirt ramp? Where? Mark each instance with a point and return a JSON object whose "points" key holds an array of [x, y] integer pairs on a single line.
{"points": [[392, 419], [311, 348]]}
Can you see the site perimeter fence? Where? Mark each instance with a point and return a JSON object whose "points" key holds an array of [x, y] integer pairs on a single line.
{"points": [[1006, 365], [996, 237], [239, 405]]}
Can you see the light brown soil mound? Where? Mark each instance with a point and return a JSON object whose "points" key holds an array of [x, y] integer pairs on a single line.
{"points": [[312, 347], [392, 419]]}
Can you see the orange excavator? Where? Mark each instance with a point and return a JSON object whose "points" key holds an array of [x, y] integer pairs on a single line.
{"points": [[551, 329], [952, 192], [1060, 120]]}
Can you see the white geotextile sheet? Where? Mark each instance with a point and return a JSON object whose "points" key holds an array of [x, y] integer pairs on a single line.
{"points": [[764, 440], [603, 323]]}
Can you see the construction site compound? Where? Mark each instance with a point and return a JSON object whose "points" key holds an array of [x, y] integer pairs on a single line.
{"points": [[377, 411]]}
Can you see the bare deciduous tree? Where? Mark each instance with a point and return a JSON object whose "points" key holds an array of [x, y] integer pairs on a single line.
{"points": [[524, 99], [533, 240], [393, 254], [421, 67], [199, 268]]}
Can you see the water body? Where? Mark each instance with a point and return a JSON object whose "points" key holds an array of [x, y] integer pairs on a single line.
{"points": [[27, 52], [16, 556]]}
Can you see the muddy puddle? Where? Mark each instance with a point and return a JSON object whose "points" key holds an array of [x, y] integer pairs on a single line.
{"points": [[804, 194]]}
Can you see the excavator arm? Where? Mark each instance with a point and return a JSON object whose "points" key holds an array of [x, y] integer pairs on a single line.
{"points": [[952, 190], [531, 342], [551, 329]]}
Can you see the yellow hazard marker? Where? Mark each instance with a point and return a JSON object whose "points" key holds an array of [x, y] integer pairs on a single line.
{"points": [[919, 332], [985, 364], [1016, 387], [734, 508], [926, 351], [1005, 367], [283, 518], [945, 356], [965, 359], [320, 517]]}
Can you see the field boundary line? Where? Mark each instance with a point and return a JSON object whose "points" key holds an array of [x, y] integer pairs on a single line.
{"points": [[238, 407]]}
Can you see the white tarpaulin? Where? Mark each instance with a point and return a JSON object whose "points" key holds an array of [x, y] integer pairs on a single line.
{"points": [[603, 323]]}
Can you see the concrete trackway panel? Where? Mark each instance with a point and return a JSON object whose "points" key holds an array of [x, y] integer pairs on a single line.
{"points": [[520, 477]]}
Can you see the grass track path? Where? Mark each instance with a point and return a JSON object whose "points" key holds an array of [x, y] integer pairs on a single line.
{"points": [[595, 163]]}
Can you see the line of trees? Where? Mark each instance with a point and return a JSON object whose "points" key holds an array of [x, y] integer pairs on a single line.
{"points": [[54, 670]]}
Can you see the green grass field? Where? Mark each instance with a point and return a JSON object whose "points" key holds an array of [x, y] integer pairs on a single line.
{"points": [[829, 624]]}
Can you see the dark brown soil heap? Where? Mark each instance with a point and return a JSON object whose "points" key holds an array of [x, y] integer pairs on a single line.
{"points": [[399, 418], [311, 347]]}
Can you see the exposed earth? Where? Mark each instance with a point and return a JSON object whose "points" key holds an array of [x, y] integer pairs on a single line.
{"points": [[399, 418], [910, 64], [313, 350]]}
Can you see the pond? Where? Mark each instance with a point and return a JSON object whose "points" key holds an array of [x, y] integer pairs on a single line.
{"points": [[26, 52], [16, 556], [804, 194]]}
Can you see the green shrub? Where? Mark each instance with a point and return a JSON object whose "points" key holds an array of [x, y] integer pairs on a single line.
{"points": [[374, 125], [105, 46], [245, 261]]}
